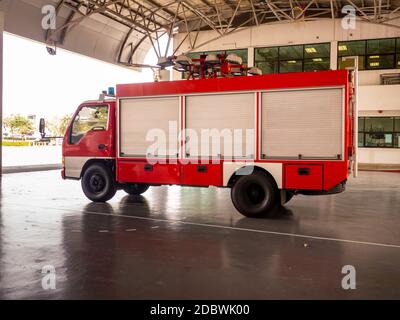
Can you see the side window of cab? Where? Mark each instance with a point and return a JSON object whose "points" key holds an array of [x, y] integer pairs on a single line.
{"points": [[89, 118]]}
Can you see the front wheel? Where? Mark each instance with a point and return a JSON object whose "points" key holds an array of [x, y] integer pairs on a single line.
{"points": [[98, 183], [135, 188], [254, 195]]}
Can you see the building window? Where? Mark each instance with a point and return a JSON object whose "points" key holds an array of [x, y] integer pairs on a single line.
{"points": [[379, 132], [290, 66], [298, 58], [267, 59], [372, 54]]}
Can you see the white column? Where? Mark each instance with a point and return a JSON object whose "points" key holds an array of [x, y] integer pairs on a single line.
{"points": [[334, 56], [1, 82], [250, 57]]}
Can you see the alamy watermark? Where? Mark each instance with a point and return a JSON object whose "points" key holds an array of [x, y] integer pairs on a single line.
{"points": [[349, 280], [49, 277], [349, 21], [49, 20], [50, 17], [189, 146]]}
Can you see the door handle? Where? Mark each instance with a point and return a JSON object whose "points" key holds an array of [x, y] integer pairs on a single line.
{"points": [[102, 147], [202, 169], [303, 171]]}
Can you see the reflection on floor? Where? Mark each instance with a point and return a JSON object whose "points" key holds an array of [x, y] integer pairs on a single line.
{"points": [[188, 243]]}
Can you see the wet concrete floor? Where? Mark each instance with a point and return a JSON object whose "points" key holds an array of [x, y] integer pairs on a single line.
{"points": [[190, 243]]}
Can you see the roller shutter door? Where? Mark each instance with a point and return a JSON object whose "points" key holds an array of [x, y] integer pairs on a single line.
{"points": [[227, 114], [139, 116], [302, 122]]}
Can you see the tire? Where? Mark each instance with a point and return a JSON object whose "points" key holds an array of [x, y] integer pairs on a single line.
{"points": [[289, 196], [135, 188], [255, 195], [98, 184]]}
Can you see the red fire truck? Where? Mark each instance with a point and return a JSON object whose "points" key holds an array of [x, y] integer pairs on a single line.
{"points": [[298, 130]]}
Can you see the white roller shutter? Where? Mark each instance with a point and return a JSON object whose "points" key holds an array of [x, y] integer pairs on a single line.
{"points": [[227, 115], [139, 116], [305, 122]]}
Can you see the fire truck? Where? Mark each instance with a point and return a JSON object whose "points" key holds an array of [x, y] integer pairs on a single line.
{"points": [[292, 134]]}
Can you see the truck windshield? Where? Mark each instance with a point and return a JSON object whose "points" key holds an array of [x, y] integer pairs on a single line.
{"points": [[89, 118]]}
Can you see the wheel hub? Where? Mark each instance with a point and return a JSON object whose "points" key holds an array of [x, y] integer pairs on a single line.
{"points": [[255, 193], [97, 183]]}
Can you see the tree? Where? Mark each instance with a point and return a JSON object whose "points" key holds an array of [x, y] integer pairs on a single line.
{"points": [[58, 126], [18, 124], [64, 122]]}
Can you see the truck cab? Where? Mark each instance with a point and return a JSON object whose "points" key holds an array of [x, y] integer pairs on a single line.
{"points": [[89, 138]]}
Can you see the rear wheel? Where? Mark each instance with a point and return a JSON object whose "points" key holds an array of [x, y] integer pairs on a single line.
{"points": [[289, 196], [254, 195], [98, 183], [135, 188]]}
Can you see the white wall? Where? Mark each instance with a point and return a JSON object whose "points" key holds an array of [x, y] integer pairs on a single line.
{"points": [[372, 77], [379, 156], [378, 97]]}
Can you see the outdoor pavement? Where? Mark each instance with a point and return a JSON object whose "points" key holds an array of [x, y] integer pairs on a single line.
{"points": [[27, 156]]}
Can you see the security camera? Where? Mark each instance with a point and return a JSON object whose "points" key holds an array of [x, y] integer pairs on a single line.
{"points": [[51, 51]]}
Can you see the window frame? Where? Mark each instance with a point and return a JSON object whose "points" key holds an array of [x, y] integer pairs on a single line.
{"points": [[302, 59], [77, 114], [393, 132], [366, 55]]}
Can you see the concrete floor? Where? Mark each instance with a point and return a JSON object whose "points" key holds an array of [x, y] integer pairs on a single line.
{"points": [[187, 243]]}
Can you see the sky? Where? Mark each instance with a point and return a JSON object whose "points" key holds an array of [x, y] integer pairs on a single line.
{"points": [[36, 83]]}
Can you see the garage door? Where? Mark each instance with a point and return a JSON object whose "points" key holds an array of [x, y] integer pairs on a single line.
{"points": [[302, 123], [217, 125], [140, 117]]}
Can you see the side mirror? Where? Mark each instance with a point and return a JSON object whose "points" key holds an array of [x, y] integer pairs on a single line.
{"points": [[42, 127]]}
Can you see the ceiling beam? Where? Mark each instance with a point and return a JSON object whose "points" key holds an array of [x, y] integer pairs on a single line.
{"points": [[202, 16], [165, 9]]}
